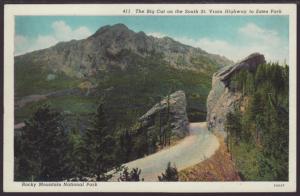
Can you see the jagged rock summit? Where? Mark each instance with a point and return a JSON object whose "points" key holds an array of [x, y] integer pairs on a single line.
{"points": [[178, 120], [221, 99]]}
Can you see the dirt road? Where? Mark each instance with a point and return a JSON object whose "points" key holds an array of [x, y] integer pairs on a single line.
{"points": [[198, 146]]}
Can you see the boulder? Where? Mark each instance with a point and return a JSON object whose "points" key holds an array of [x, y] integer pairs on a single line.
{"points": [[178, 120], [250, 63], [221, 99]]}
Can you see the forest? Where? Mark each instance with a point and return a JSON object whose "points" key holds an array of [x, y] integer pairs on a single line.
{"points": [[45, 151], [258, 128]]}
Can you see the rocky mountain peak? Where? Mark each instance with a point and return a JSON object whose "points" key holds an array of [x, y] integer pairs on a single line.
{"points": [[111, 29]]}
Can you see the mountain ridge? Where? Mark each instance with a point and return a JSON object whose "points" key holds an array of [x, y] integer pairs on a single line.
{"points": [[106, 47]]}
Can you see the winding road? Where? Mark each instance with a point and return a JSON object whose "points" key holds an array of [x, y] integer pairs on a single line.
{"points": [[198, 146]]}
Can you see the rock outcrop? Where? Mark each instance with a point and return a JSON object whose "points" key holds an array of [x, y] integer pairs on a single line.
{"points": [[221, 99], [250, 63], [176, 118]]}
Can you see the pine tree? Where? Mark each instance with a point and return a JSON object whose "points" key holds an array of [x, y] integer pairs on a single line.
{"points": [[249, 83], [260, 75], [99, 145], [233, 127], [168, 126], [78, 155], [125, 146], [133, 175], [266, 120], [257, 114], [171, 174], [44, 147]]}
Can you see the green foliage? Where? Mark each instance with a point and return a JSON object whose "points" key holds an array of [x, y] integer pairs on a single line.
{"points": [[144, 82], [246, 159], [125, 146], [133, 175], [41, 149], [70, 104], [78, 155], [233, 124], [207, 65], [261, 132], [46, 151], [32, 79], [99, 146], [171, 174], [140, 144]]}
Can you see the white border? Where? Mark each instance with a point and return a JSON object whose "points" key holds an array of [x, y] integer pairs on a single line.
{"points": [[108, 9]]}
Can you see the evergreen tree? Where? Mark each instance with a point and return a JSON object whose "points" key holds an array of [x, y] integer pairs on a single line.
{"points": [[43, 147], [158, 123], [171, 174], [233, 127], [260, 75], [152, 140], [125, 146], [249, 83], [133, 175], [168, 130], [257, 108], [262, 154], [99, 146], [78, 155], [140, 143]]}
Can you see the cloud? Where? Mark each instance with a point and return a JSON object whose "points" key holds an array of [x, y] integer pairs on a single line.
{"points": [[217, 46], [254, 32], [81, 32], [61, 32], [250, 38], [157, 34], [21, 43], [44, 42]]}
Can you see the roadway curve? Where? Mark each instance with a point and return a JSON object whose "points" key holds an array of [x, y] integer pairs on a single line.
{"points": [[198, 146]]}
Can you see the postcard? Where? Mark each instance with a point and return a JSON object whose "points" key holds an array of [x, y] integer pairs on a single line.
{"points": [[150, 98]]}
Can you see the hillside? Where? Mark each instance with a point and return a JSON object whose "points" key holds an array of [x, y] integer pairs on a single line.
{"points": [[129, 70], [249, 106]]}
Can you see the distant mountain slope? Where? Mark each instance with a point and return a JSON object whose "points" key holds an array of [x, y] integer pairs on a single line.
{"points": [[130, 71], [109, 46]]}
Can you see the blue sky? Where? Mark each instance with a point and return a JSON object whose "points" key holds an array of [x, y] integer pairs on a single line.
{"points": [[232, 36]]}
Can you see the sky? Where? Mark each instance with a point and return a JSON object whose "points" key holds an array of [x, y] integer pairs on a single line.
{"points": [[234, 37]]}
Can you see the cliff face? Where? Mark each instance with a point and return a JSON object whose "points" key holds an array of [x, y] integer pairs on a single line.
{"points": [[170, 110], [221, 99]]}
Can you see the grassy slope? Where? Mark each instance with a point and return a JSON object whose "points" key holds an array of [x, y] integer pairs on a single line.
{"points": [[69, 104], [127, 94], [32, 79]]}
